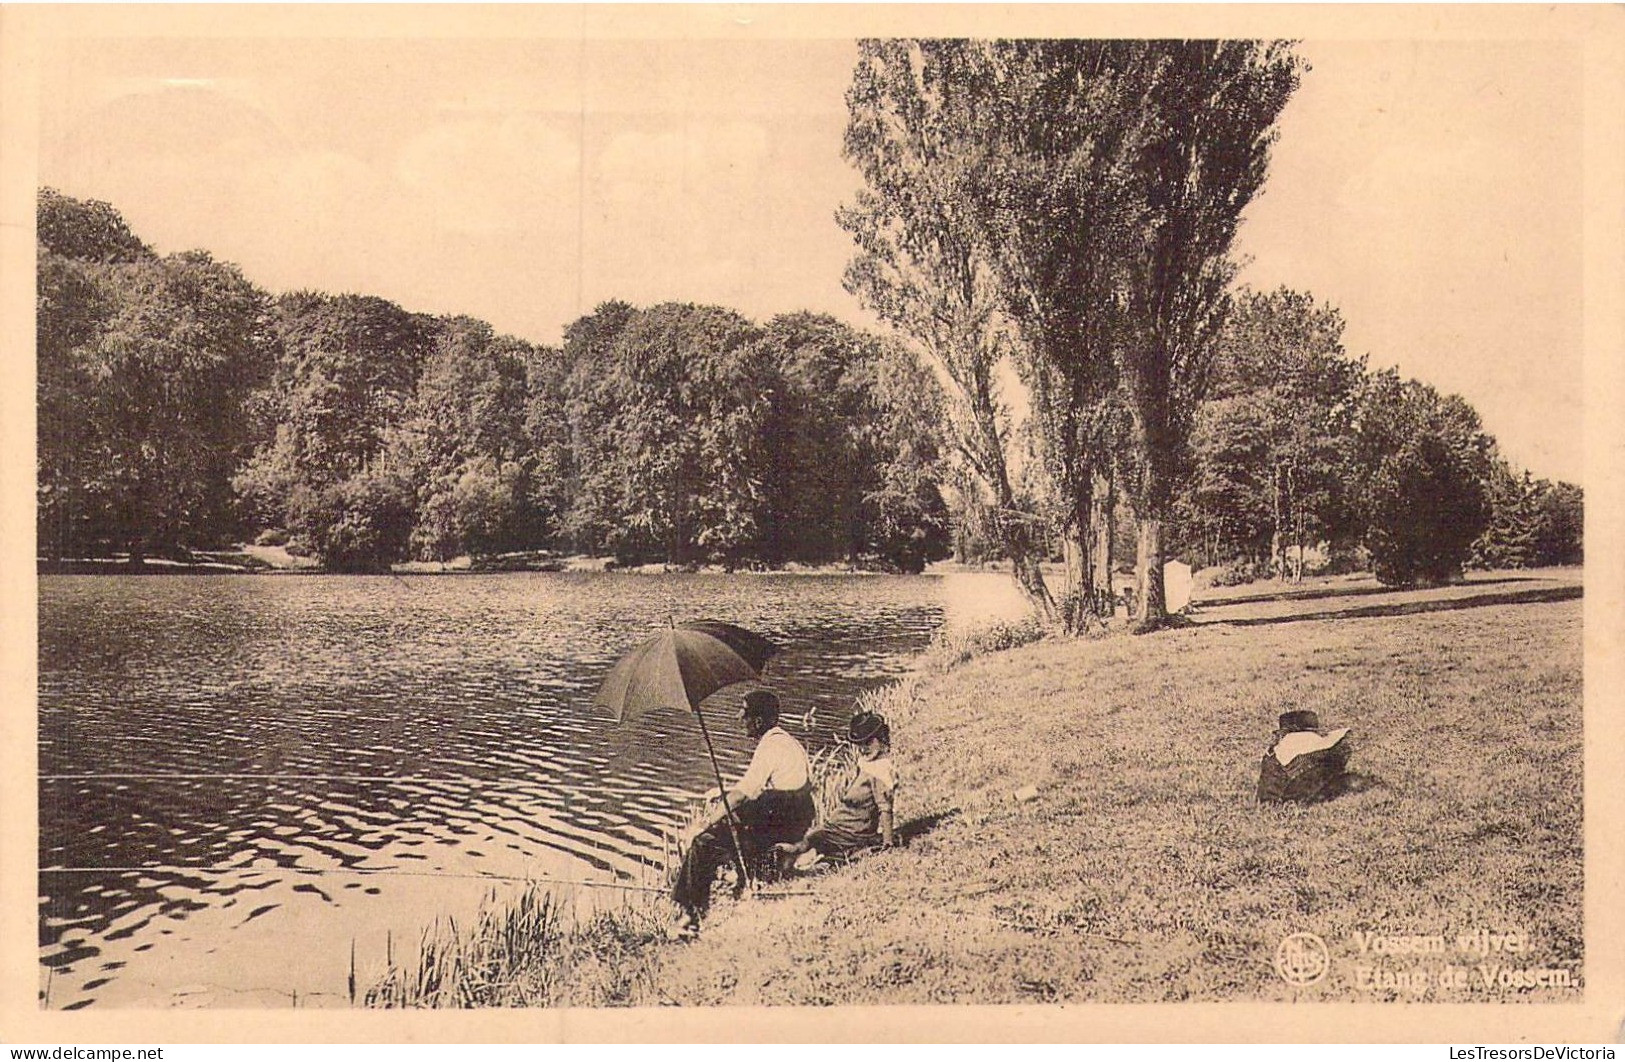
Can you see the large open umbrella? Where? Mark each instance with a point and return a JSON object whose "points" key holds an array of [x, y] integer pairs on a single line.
{"points": [[679, 668]]}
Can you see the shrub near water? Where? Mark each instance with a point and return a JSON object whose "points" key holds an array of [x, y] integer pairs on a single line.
{"points": [[951, 648]]}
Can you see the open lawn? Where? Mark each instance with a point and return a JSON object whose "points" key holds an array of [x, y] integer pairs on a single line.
{"points": [[1145, 871]]}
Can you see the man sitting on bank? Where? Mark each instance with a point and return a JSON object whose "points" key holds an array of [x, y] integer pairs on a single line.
{"points": [[772, 804]]}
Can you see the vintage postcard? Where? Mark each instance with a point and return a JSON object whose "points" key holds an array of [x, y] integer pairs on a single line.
{"points": [[758, 522]]}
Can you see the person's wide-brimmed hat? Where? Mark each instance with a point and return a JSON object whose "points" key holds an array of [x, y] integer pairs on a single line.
{"points": [[1292, 722], [1304, 764], [866, 725]]}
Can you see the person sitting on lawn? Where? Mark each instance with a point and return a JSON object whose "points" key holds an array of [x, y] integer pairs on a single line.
{"points": [[771, 803], [863, 817], [1306, 763]]}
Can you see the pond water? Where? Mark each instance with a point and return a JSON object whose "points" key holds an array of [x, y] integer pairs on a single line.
{"points": [[245, 779]]}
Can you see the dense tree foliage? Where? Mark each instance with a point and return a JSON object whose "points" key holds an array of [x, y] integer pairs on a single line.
{"points": [[1560, 523], [698, 437], [1425, 463], [85, 230], [1509, 536], [144, 364], [1533, 523], [667, 417], [71, 306], [346, 370], [1271, 447], [860, 482], [461, 439], [897, 445]]}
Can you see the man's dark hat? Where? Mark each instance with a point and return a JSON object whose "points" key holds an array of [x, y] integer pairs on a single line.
{"points": [[1294, 721], [866, 725], [762, 703]]}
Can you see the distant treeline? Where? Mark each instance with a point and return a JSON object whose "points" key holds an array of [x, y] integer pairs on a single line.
{"points": [[182, 408], [1299, 445]]}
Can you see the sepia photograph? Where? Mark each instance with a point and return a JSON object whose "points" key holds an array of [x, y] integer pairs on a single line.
{"points": [[686, 515]]}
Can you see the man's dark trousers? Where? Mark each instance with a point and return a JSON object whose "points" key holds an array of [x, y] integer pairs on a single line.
{"points": [[775, 817]]}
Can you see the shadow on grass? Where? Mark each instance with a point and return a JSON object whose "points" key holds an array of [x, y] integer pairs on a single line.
{"points": [[1353, 782], [921, 825], [1410, 608], [1349, 783], [1317, 592]]}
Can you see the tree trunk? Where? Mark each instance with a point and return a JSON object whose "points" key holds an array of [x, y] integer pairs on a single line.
{"points": [[1297, 541], [1102, 593], [1015, 535], [1277, 536], [1030, 578], [1080, 605], [1151, 610], [1294, 509], [1075, 598]]}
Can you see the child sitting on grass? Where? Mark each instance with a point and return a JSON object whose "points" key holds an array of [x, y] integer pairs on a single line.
{"points": [[862, 819]]}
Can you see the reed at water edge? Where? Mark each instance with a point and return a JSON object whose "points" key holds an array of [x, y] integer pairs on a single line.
{"points": [[532, 949]]}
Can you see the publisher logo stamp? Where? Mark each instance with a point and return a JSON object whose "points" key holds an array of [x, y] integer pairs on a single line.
{"points": [[1302, 959]]}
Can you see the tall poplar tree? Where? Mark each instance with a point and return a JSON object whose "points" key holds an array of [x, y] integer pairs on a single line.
{"points": [[1213, 107], [916, 136], [1059, 207], [1089, 191]]}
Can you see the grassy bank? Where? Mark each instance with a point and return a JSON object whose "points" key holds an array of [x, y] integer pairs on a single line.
{"points": [[1144, 870]]}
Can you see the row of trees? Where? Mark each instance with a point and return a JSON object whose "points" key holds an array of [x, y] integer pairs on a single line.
{"points": [[1068, 208], [180, 406]]}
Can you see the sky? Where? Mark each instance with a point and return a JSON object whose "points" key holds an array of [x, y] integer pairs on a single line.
{"points": [[1429, 190]]}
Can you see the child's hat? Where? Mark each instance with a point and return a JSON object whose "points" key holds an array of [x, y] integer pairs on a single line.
{"points": [[867, 725]]}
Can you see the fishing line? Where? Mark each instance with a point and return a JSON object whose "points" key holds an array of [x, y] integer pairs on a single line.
{"points": [[384, 778]]}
